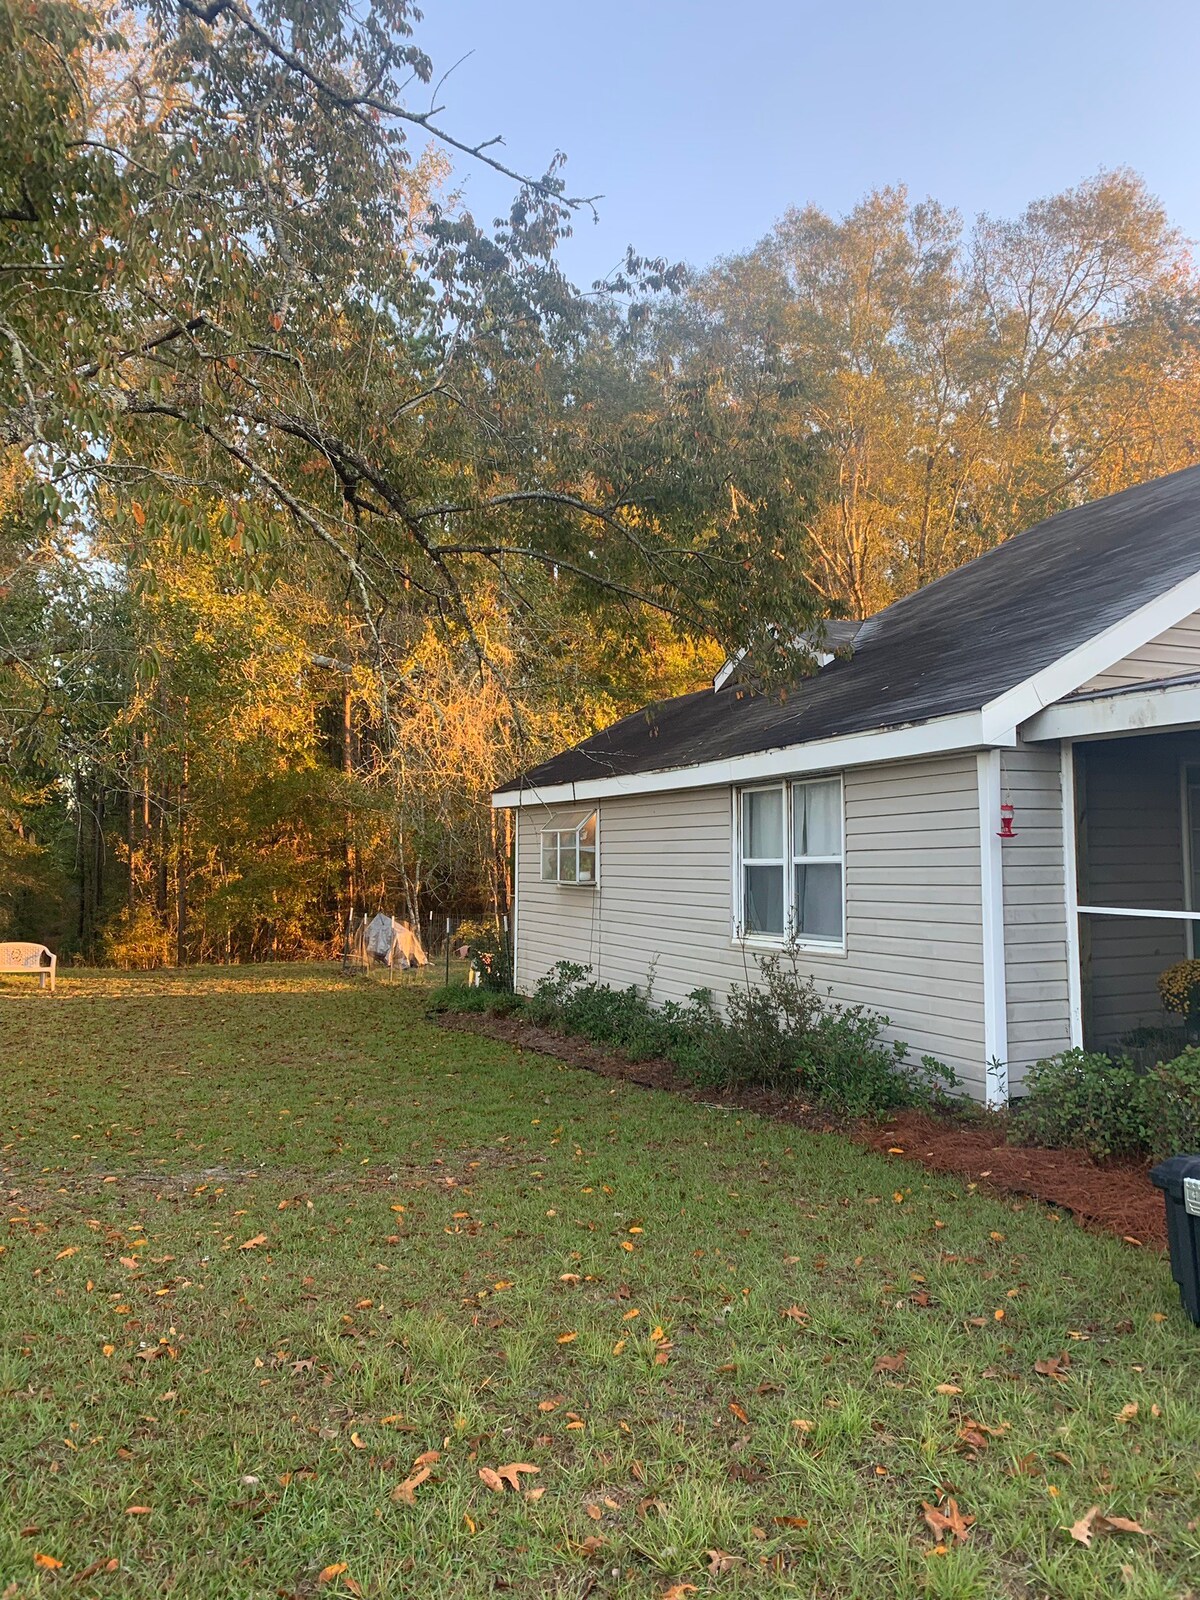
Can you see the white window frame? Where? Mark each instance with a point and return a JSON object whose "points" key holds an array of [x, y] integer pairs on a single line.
{"points": [[574, 832], [790, 861]]}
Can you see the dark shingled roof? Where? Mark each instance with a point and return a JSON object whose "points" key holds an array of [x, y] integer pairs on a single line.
{"points": [[953, 646]]}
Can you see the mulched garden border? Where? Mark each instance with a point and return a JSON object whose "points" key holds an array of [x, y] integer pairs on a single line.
{"points": [[1113, 1197]]}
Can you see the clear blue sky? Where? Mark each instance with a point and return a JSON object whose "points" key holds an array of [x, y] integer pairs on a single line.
{"points": [[701, 123]]}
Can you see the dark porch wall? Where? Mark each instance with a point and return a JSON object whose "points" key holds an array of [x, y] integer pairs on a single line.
{"points": [[1130, 854]]}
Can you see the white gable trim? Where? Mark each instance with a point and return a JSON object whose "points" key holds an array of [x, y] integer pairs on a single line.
{"points": [[1103, 650], [961, 732]]}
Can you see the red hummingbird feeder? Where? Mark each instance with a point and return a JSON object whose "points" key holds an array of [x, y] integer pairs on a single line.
{"points": [[1007, 812]]}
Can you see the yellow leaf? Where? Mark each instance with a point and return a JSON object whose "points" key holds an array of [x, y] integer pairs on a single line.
{"points": [[618, 1347], [565, 1338], [358, 1441], [470, 1524], [629, 1315], [108, 1349], [504, 1283], [253, 1244], [334, 1570], [41, 1559], [69, 1251]]}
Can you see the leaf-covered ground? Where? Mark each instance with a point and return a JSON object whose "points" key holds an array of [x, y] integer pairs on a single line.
{"points": [[290, 1277]]}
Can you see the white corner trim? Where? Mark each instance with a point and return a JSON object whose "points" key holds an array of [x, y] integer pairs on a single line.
{"points": [[514, 911], [991, 876], [1071, 893], [1127, 710], [1103, 650], [945, 734]]}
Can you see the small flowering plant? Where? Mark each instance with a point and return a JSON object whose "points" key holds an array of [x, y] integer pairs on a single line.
{"points": [[1179, 988]]}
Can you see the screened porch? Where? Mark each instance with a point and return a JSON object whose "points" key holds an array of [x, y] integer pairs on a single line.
{"points": [[1137, 856]]}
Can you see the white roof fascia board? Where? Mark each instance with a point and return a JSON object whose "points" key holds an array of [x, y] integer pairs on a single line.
{"points": [[1103, 650], [959, 732], [1146, 710]]}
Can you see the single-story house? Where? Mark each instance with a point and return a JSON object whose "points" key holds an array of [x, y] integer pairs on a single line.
{"points": [[982, 819]]}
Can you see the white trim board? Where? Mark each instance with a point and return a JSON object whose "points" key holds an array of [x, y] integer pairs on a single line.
{"points": [[1147, 710], [1071, 893], [944, 734], [995, 986]]}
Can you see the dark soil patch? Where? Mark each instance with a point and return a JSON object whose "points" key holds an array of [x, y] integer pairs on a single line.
{"points": [[1115, 1197]]}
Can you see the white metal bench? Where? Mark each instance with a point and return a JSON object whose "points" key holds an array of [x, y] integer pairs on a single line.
{"points": [[18, 956]]}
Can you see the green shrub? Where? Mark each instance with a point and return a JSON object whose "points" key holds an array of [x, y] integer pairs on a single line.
{"points": [[1172, 1092], [1086, 1100], [779, 1033]]}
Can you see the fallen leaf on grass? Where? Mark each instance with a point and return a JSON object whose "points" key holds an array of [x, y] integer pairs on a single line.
{"points": [[947, 1388], [405, 1491], [101, 1565], [565, 1338], [791, 1522], [949, 1520], [678, 1591], [329, 1573], [357, 1440], [721, 1561], [496, 1477], [41, 1559], [1128, 1412], [890, 1363], [1054, 1367], [138, 1511], [592, 1544], [738, 1411], [253, 1244], [1094, 1521]]}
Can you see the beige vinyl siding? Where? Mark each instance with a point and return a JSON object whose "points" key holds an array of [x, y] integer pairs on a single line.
{"points": [[664, 902], [1035, 923], [1132, 855], [1172, 655]]}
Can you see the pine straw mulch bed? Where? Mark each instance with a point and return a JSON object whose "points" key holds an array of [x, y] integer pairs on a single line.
{"points": [[1114, 1197]]}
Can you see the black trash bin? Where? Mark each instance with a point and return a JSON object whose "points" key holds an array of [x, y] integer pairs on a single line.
{"points": [[1179, 1180]]}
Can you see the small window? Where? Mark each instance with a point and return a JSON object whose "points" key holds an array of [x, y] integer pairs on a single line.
{"points": [[791, 862], [569, 854]]}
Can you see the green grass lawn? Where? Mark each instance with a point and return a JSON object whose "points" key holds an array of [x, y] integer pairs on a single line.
{"points": [[271, 1238]]}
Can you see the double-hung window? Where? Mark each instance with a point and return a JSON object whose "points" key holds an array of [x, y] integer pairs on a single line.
{"points": [[569, 854], [791, 863]]}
